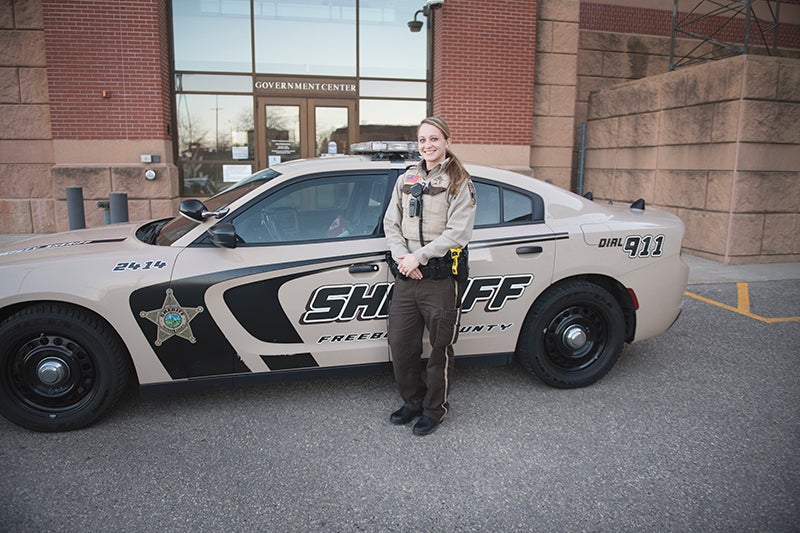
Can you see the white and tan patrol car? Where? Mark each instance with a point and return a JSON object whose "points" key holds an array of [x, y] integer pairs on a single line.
{"points": [[285, 273]]}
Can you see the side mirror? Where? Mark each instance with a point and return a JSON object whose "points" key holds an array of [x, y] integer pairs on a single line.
{"points": [[223, 235], [193, 210], [196, 210]]}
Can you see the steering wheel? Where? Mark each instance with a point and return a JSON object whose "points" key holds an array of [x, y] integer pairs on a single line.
{"points": [[269, 227]]}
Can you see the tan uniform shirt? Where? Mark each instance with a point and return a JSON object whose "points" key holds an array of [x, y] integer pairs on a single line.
{"points": [[447, 219]]}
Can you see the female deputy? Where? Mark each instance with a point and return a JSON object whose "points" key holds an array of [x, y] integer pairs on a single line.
{"points": [[428, 224]]}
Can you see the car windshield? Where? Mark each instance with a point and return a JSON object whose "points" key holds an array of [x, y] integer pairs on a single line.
{"points": [[179, 226]]}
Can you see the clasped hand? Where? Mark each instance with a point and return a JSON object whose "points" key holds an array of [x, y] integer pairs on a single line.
{"points": [[409, 266]]}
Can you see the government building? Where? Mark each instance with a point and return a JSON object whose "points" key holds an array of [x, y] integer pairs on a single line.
{"points": [[691, 106]]}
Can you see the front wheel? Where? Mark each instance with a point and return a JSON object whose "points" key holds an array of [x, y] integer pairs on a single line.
{"points": [[61, 368], [573, 335]]}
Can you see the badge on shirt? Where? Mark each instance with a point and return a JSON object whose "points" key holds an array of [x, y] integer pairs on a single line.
{"points": [[411, 179], [471, 192]]}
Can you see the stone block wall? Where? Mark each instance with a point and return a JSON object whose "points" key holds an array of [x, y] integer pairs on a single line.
{"points": [[718, 144], [607, 59], [65, 121], [26, 145], [146, 199], [554, 91]]}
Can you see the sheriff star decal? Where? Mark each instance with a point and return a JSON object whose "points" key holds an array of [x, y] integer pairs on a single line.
{"points": [[172, 319]]}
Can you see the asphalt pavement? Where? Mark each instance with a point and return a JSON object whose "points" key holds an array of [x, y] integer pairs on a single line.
{"points": [[695, 430]]}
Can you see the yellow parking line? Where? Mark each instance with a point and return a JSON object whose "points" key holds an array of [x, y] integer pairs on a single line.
{"points": [[744, 298], [743, 305]]}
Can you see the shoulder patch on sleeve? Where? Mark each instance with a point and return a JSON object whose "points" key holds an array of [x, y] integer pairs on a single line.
{"points": [[471, 192]]}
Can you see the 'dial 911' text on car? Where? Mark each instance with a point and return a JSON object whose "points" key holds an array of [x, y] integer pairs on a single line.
{"points": [[284, 274]]}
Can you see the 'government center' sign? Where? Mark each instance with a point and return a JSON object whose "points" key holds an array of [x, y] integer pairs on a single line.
{"points": [[305, 86]]}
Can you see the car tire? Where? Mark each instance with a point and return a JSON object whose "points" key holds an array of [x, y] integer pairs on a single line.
{"points": [[61, 368], [572, 335]]}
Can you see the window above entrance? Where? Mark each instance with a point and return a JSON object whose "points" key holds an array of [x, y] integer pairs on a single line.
{"points": [[302, 37], [212, 36], [386, 48], [310, 37]]}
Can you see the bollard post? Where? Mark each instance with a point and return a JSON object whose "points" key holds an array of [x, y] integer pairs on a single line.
{"points": [[75, 214], [103, 204], [118, 202]]}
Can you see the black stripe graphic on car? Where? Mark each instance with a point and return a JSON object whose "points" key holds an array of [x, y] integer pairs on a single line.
{"points": [[511, 241], [211, 354], [208, 354], [60, 245], [255, 305], [289, 362]]}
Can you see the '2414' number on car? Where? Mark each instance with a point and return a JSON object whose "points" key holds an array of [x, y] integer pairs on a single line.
{"points": [[133, 265], [647, 246]]}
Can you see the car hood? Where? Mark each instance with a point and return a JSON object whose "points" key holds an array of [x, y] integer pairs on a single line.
{"points": [[70, 242]]}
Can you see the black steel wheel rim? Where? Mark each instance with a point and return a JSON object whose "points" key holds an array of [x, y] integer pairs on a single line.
{"points": [[576, 337], [51, 373]]}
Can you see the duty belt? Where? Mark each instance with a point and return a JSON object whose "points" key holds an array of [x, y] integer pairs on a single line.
{"points": [[453, 264]]}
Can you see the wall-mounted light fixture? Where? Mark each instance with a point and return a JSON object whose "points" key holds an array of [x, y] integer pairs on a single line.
{"points": [[416, 25]]}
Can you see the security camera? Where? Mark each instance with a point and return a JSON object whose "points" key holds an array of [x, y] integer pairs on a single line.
{"points": [[434, 3], [415, 25]]}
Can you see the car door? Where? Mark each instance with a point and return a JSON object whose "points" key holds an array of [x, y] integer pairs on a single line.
{"points": [[511, 257], [306, 287]]}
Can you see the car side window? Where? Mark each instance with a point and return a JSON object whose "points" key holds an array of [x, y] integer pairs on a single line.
{"points": [[516, 207], [487, 208], [498, 204], [316, 209]]}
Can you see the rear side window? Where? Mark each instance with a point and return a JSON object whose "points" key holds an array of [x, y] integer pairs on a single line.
{"points": [[517, 207], [498, 204]]}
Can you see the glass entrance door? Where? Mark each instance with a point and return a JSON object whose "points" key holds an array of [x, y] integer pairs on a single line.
{"points": [[294, 128], [282, 120]]}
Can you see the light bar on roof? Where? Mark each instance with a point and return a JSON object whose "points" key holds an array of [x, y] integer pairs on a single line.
{"points": [[384, 147]]}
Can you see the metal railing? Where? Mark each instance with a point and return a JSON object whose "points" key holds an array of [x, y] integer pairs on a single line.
{"points": [[710, 21]]}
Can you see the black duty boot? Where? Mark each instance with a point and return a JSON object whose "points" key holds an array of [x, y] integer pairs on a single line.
{"points": [[403, 416], [425, 426]]}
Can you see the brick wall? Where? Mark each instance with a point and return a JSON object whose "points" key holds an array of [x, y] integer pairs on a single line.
{"points": [[483, 70], [647, 21], [117, 47]]}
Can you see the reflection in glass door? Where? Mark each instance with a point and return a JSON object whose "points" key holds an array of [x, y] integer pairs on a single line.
{"points": [[294, 128], [332, 131], [282, 133]]}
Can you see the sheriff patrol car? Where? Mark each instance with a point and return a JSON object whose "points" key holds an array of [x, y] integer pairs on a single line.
{"points": [[285, 273]]}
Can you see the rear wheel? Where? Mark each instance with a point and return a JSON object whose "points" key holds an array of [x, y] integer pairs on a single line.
{"points": [[573, 335], [61, 368]]}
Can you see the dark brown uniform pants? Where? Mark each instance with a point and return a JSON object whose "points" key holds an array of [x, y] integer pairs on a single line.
{"points": [[417, 304]]}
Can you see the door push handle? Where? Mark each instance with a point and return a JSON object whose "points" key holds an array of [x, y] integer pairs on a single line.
{"points": [[362, 268], [523, 250]]}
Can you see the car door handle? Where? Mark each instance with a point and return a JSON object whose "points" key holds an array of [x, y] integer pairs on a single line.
{"points": [[524, 250], [362, 268]]}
